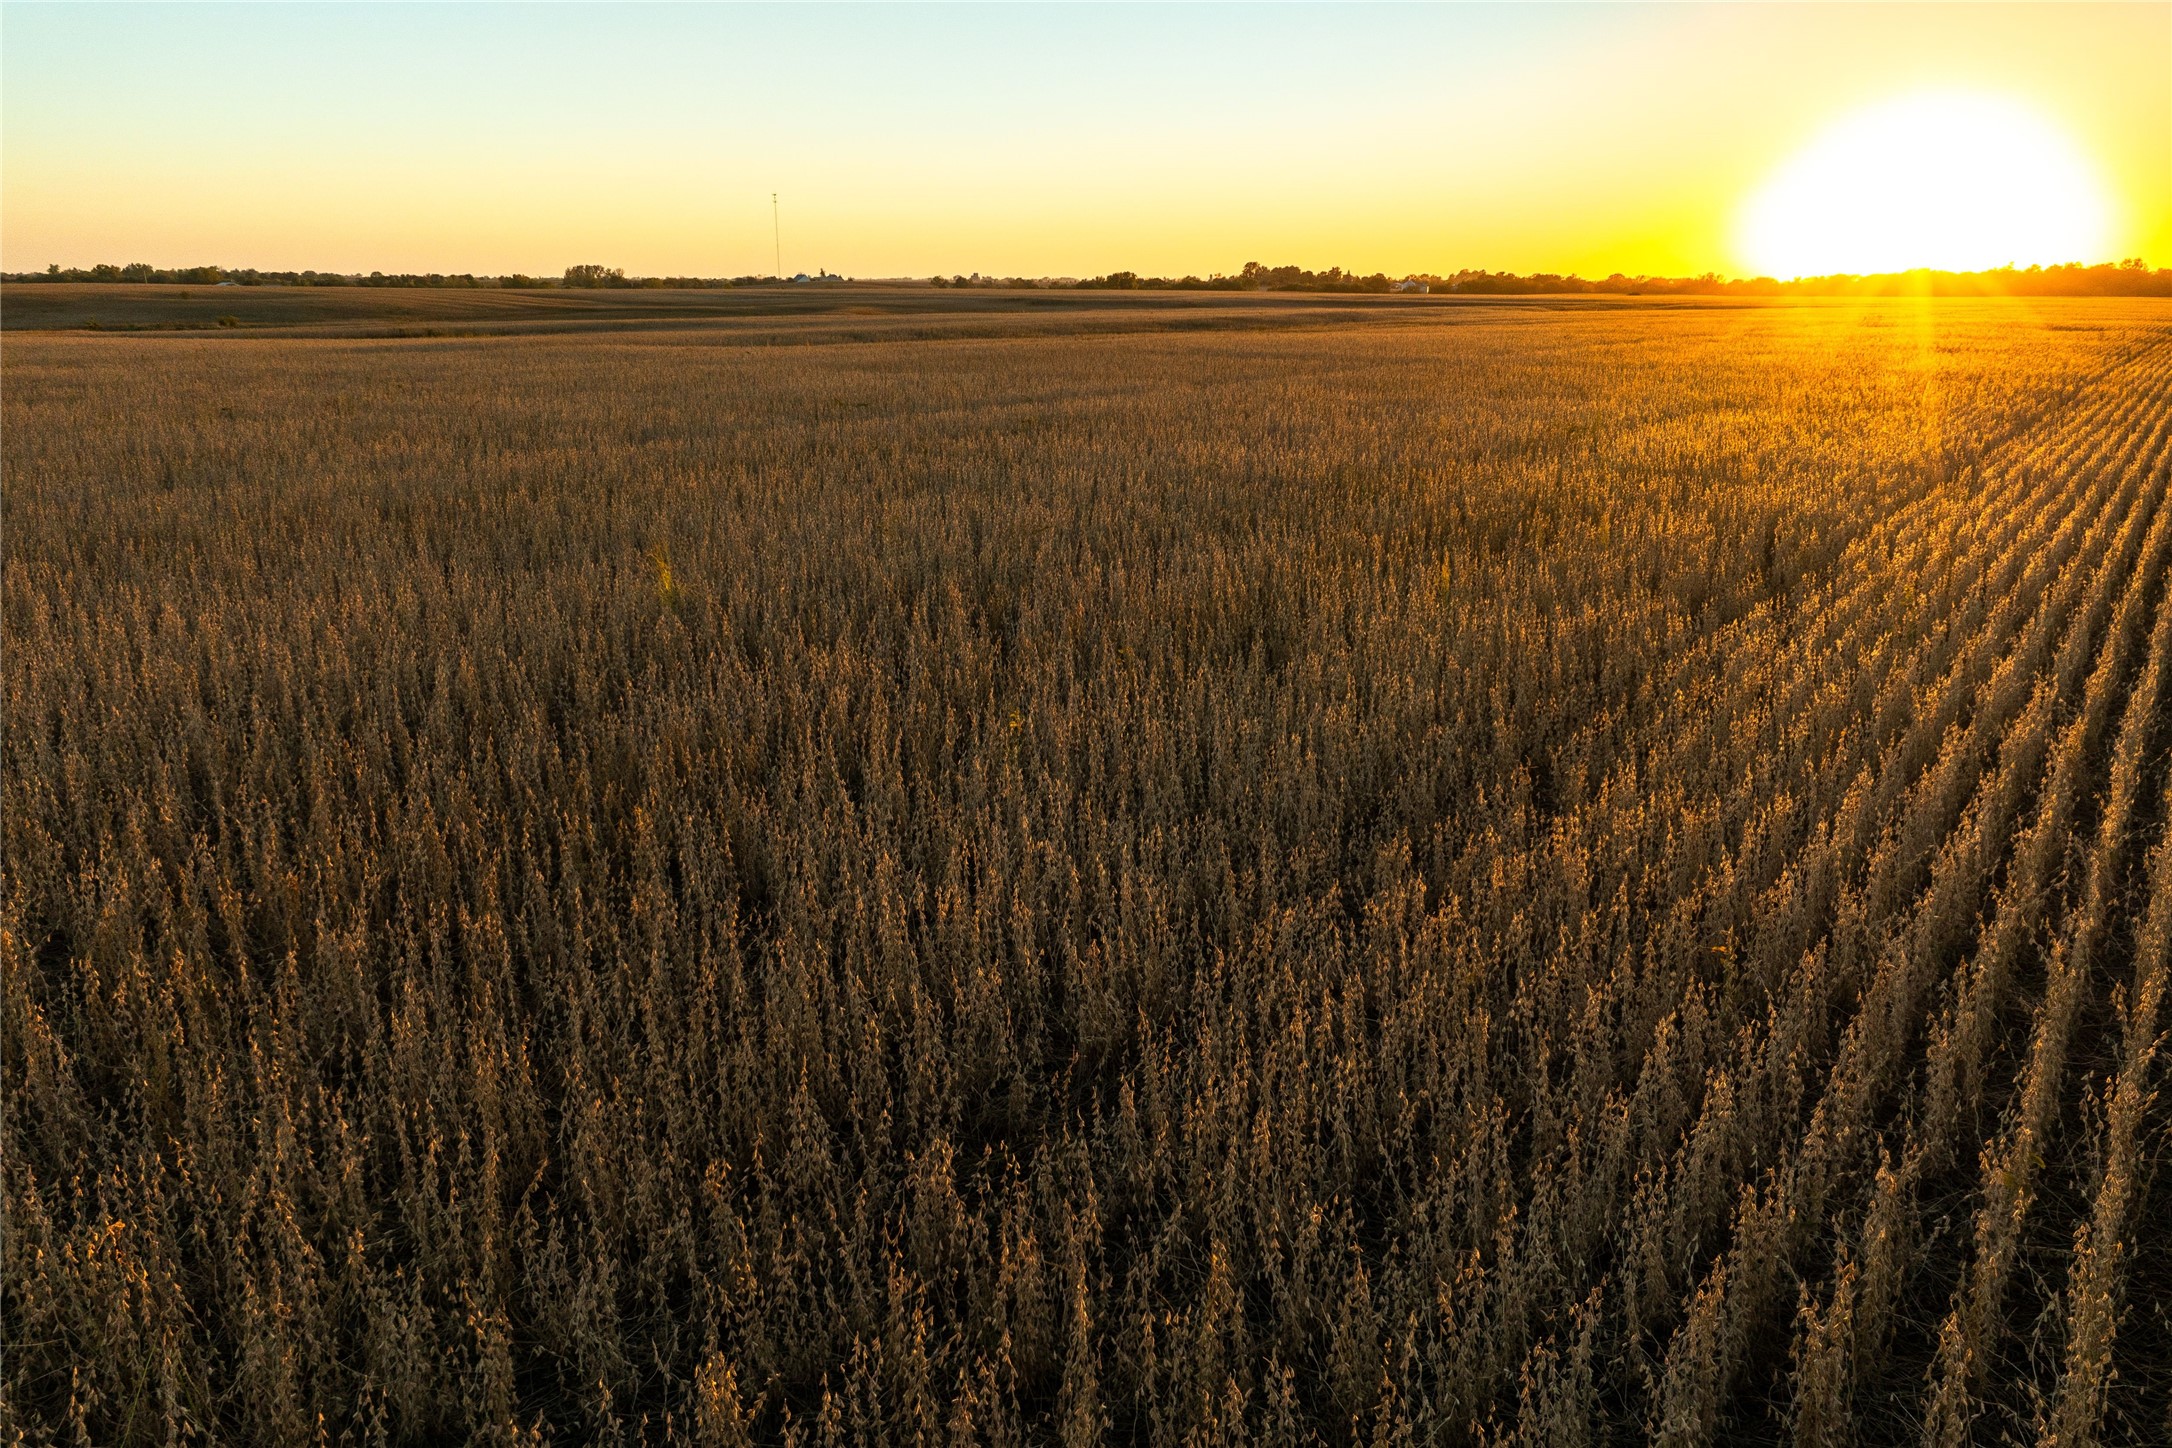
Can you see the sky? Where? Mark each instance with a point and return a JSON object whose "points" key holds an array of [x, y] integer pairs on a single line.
{"points": [[1034, 140]]}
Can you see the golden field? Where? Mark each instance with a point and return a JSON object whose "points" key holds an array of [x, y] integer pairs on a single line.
{"points": [[1269, 873], [780, 312]]}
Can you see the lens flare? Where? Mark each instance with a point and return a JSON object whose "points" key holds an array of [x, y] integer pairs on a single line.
{"points": [[1957, 181]]}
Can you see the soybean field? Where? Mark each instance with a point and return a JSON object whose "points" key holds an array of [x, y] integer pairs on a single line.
{"points": [[1482, 874]]}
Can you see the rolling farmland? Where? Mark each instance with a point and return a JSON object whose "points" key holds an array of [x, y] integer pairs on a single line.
{"points": [[1301, 873]]}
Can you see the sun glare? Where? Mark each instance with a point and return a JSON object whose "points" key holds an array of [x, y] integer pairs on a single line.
{"points": [[1951, 180]]}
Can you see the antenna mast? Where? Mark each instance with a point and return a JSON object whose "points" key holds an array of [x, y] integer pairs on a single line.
{"points": [[776, 234]]}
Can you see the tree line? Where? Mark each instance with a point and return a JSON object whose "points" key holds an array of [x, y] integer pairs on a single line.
{"points": [[144, 274], [2129, 278]]}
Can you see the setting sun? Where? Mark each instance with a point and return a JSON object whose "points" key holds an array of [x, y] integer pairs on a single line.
{"points": [[1950, 180]]}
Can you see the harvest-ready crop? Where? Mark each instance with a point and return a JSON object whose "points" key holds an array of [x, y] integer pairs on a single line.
{"points": [[1556, 876]]}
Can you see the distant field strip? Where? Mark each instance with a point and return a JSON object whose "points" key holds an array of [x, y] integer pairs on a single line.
{"points": [[1565, 878]]}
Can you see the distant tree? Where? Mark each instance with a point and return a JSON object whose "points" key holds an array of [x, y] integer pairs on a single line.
{"points": [[591, 275]]}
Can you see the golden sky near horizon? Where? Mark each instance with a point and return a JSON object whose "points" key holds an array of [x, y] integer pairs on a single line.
{"points": [[1070, 140]]}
